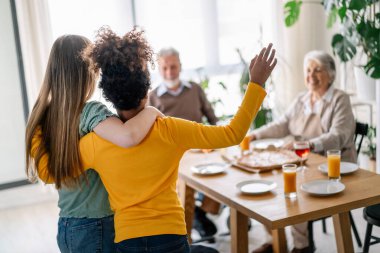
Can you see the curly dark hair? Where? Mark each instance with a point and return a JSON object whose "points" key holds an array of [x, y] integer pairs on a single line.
{"points": [[123, 63]]}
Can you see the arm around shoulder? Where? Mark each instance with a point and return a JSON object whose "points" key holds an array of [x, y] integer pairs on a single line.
{"points": [[130, 133]]}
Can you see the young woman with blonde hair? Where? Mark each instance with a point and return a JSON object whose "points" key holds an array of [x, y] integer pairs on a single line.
{"points": [[62, 115]]}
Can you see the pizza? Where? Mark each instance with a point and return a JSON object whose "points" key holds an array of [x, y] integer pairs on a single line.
{"points": [[267, 159]]}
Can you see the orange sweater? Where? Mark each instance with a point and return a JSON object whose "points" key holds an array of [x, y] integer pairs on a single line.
{"points": [[141, 181]]}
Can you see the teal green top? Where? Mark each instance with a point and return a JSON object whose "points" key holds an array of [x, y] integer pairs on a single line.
{"points": [[90, 198]]}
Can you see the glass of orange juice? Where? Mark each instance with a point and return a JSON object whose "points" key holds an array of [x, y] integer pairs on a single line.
{"points": [[205, 151], [333, 164], [244, 146], [289, 172]]}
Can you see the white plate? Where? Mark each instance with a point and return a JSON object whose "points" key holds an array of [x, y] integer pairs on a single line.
{"points": [[209, 168], [265, 143], [322, 187], [345, 167], [254, 187]]}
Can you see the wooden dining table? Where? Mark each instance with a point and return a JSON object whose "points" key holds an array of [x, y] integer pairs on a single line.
{"points": [[272, 209]]}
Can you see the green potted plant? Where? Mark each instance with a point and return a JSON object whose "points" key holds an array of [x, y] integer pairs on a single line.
{"points": [[204, 82], [370, 146], [360, 28], [264, 115]]}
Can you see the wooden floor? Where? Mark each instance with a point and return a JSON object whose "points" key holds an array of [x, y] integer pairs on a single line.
{"points": [[32, 227]]}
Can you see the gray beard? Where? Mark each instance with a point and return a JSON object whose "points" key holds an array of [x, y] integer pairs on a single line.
{"points": [[171, 83]]}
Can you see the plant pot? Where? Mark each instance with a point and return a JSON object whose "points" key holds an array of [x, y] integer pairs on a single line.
{"points": [[365, 85]]}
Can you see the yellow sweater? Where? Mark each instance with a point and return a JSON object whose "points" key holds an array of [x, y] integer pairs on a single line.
{"points": [[141, 181]]}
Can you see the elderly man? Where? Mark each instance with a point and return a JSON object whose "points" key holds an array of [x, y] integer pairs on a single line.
{"points": [[178, 98], [187, 100]]}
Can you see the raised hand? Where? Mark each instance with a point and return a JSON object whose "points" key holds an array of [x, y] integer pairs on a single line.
{"points": [[262, 65]]}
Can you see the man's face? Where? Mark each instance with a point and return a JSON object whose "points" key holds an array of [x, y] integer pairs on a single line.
{"points": [[169, 67]]}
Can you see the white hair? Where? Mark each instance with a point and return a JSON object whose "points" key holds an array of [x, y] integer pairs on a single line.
{"points": [[323, 59], [168, 51]]}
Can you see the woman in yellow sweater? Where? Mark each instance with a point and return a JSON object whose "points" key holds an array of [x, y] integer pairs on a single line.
{"points": [[141, 181]]}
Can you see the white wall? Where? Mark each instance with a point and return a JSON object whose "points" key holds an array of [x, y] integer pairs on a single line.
{"points": [[12, 124], [309, 33]]}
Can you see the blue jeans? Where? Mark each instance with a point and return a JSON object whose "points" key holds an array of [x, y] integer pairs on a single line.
{"points": [[86, 235], [155, 244]]}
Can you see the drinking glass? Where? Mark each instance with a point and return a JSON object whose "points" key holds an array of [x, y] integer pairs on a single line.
{"points": [[333, 165], [244, 146], [205, 151], [302, 149], [289, 172]]}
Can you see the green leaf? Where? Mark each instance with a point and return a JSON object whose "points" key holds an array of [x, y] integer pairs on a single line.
{"points": [[372, 68], [331, 18], [372, 45], [369, 37], [343, 47], [377, 16], [264, 116], [292, 12], [342, 13], [369, 2], [215, 102], [357, 4], [205, 83], [244, 80], [222, 85]]}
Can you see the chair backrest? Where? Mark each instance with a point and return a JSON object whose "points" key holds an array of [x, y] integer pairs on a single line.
{"points": [[361, 130]]}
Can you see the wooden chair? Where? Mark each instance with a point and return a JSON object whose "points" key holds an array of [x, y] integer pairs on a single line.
{"points": [[361, 131]]}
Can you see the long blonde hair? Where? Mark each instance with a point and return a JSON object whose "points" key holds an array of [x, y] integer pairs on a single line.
{"points": [[67, 85]]}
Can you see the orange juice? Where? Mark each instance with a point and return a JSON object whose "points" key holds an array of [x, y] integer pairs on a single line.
{"points": [[206, 150], [333, 166], [290, 181], [244, 145]]}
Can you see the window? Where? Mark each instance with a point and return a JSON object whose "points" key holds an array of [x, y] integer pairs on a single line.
{"points": [[205, 32], [12, 101], [248, 29], [87, 16]]}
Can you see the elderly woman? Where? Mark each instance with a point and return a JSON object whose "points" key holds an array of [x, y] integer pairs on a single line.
{"points": [[322, 116]]}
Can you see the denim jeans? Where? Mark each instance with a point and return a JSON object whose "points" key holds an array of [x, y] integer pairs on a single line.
{"points": [[86, 235], [155, 244]]}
